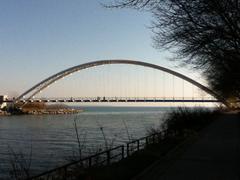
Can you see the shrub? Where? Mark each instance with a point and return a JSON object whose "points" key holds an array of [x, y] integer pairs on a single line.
{"points": [[186, 119]]}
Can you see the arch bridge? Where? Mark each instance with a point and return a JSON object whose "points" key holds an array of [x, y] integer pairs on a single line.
{"points": [[50, 80]]}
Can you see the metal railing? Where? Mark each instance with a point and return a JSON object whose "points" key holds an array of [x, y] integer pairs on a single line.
{"points": [[119, 99], [139, 144], [100, 159]]}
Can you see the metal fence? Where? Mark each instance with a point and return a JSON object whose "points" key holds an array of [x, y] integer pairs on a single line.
{"points": [[139, 144], [68, 171]]}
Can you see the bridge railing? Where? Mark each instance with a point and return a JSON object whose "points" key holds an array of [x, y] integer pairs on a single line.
{"points": [[122, 99], [107, 157]]}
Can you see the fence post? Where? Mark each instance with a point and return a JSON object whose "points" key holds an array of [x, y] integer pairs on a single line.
{"points": [[108, 157], [147, 141], [122, 151], [159, 137], [89, 162], [65, 172], [137, 145], [128, 149]]}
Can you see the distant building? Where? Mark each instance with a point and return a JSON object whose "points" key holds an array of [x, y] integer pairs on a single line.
{"points": [[2, 99]]}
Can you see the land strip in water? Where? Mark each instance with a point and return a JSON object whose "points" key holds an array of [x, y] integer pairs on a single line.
{"points": [[39, 108]]}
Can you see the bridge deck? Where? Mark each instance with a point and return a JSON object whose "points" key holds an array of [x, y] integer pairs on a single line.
{"points": [[116, 100]]}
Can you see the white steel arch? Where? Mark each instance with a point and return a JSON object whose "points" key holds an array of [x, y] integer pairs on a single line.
{"points": [[48, 81]]}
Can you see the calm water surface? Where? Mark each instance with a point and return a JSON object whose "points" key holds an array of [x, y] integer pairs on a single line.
{"points": [[52, 138]]}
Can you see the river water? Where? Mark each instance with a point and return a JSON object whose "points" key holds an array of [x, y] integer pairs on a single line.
{"points": [[49, 140]]}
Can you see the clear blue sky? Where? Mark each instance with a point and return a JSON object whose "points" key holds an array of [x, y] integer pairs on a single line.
{"points": [[41, 37]]}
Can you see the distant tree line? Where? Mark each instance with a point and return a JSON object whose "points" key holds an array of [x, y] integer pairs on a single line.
{"points": [[204, 34]]}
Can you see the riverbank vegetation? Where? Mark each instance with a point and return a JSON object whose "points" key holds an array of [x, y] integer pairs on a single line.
{"points": [[184, 120]]}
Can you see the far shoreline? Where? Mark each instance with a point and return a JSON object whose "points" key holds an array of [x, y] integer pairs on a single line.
{"points": [[39, 109]]}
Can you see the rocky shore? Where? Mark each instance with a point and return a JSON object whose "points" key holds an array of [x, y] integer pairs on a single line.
{"points": [[4, 113], [39, 109]]}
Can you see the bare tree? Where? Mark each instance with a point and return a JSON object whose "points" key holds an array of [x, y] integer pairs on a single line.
{"points": [[202, 33]]}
